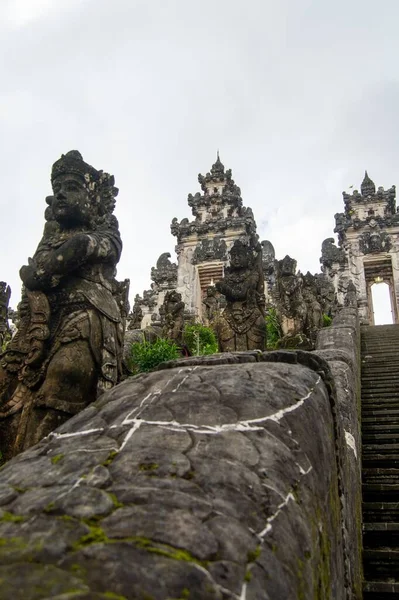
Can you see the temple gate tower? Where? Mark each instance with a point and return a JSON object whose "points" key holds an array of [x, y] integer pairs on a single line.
{"points": [[203, 243], [202, 246], [368, 253]]}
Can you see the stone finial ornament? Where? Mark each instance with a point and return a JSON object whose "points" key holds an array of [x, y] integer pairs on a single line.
{"points": [[367, 186], [68, 347]]}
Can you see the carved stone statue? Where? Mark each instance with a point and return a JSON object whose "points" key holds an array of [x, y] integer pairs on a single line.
{"points": [[136, 316], [351, 295], [314, 314], [291, 307], [68, 347], [172, 317], [212, 305], [242, 325], [5, 293]]}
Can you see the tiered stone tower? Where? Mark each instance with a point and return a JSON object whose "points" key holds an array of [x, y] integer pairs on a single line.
{"points": [[202, 244], [368, 250]]}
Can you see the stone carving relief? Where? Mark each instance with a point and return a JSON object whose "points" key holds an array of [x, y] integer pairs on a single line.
{"points": [[210, 249], [374, 241], [68, 348], [165, 273], [330, 254]]}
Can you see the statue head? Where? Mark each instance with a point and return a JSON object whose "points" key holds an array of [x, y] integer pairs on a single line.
{"points": [[82, 195], [240, 255], [172, 296]]}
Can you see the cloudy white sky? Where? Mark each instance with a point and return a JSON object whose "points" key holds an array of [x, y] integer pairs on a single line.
{"points": [[299, 96]]}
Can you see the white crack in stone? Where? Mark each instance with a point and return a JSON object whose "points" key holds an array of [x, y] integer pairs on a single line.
{"points": [[351, 442]]}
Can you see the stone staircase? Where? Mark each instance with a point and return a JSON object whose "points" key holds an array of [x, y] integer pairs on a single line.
{"points": [[380, 461]]}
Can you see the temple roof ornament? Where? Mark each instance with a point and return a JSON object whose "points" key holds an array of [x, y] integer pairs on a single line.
{"points": [[366, 209], [219, 207], [368, 186]]}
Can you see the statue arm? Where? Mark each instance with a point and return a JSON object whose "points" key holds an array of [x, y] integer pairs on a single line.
{"points": [[49, 266]]}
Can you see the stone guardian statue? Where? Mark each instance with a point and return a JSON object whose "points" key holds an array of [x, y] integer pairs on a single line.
{"points": [[242, 324], [68, 347]]}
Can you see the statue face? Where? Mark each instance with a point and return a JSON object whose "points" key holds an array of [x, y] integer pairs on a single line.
{"points": [[71, 204], [238, 260]]}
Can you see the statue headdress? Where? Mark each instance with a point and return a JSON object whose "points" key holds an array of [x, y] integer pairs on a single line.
{"points": [[99, 184]]}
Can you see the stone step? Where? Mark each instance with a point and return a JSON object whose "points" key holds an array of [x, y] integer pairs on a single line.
{"points": [[380, 417], [380, 590], [383, 394], [373, 370], [382, 387], [379, 403], [381, 512], [380, 476], [376, 427], [381, 461], [381, 561], [380, 492], [377, 535], [380, 438]]}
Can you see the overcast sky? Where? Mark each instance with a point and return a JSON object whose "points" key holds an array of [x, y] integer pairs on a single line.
{"points": [[299, 96]]}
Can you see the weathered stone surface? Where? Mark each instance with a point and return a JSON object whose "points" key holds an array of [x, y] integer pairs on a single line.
{"points": [[344, 335], [194, 481]]}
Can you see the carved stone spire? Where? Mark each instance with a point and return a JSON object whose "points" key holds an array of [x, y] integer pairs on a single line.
{"points": [[217, 169], [368, 186]]}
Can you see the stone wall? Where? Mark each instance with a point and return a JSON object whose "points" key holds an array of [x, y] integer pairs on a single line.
{"points": [[233, 476]]}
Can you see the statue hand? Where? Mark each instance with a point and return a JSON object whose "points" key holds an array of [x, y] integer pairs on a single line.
{"points": [[29, 277]]}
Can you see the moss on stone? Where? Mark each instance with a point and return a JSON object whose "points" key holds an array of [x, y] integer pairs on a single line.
{"points": [[254, 554], [96, 535], [55, 459], [115, 500], [113, 596], [110, 458], [8, 517], [50, 507], [148, 467], [248, 575]]}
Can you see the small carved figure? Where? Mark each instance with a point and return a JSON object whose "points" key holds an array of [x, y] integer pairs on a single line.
{"points": [[172, 317], [314, 314], [212, 305], [351, 295], [136, 316], [5, 333], [242, 324], [68, 347], [291, 307]]}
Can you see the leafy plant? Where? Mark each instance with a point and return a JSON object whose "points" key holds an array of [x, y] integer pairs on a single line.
{"points": [[200, 340], [145, 356], [273, 328], [326, 320]]}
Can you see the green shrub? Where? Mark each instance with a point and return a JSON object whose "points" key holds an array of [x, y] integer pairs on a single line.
{"points": [[273, 328], [145, 356], [200, 340], [326, 320]]}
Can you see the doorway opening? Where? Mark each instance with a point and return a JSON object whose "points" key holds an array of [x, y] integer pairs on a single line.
{"points": [[381, 299]]}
